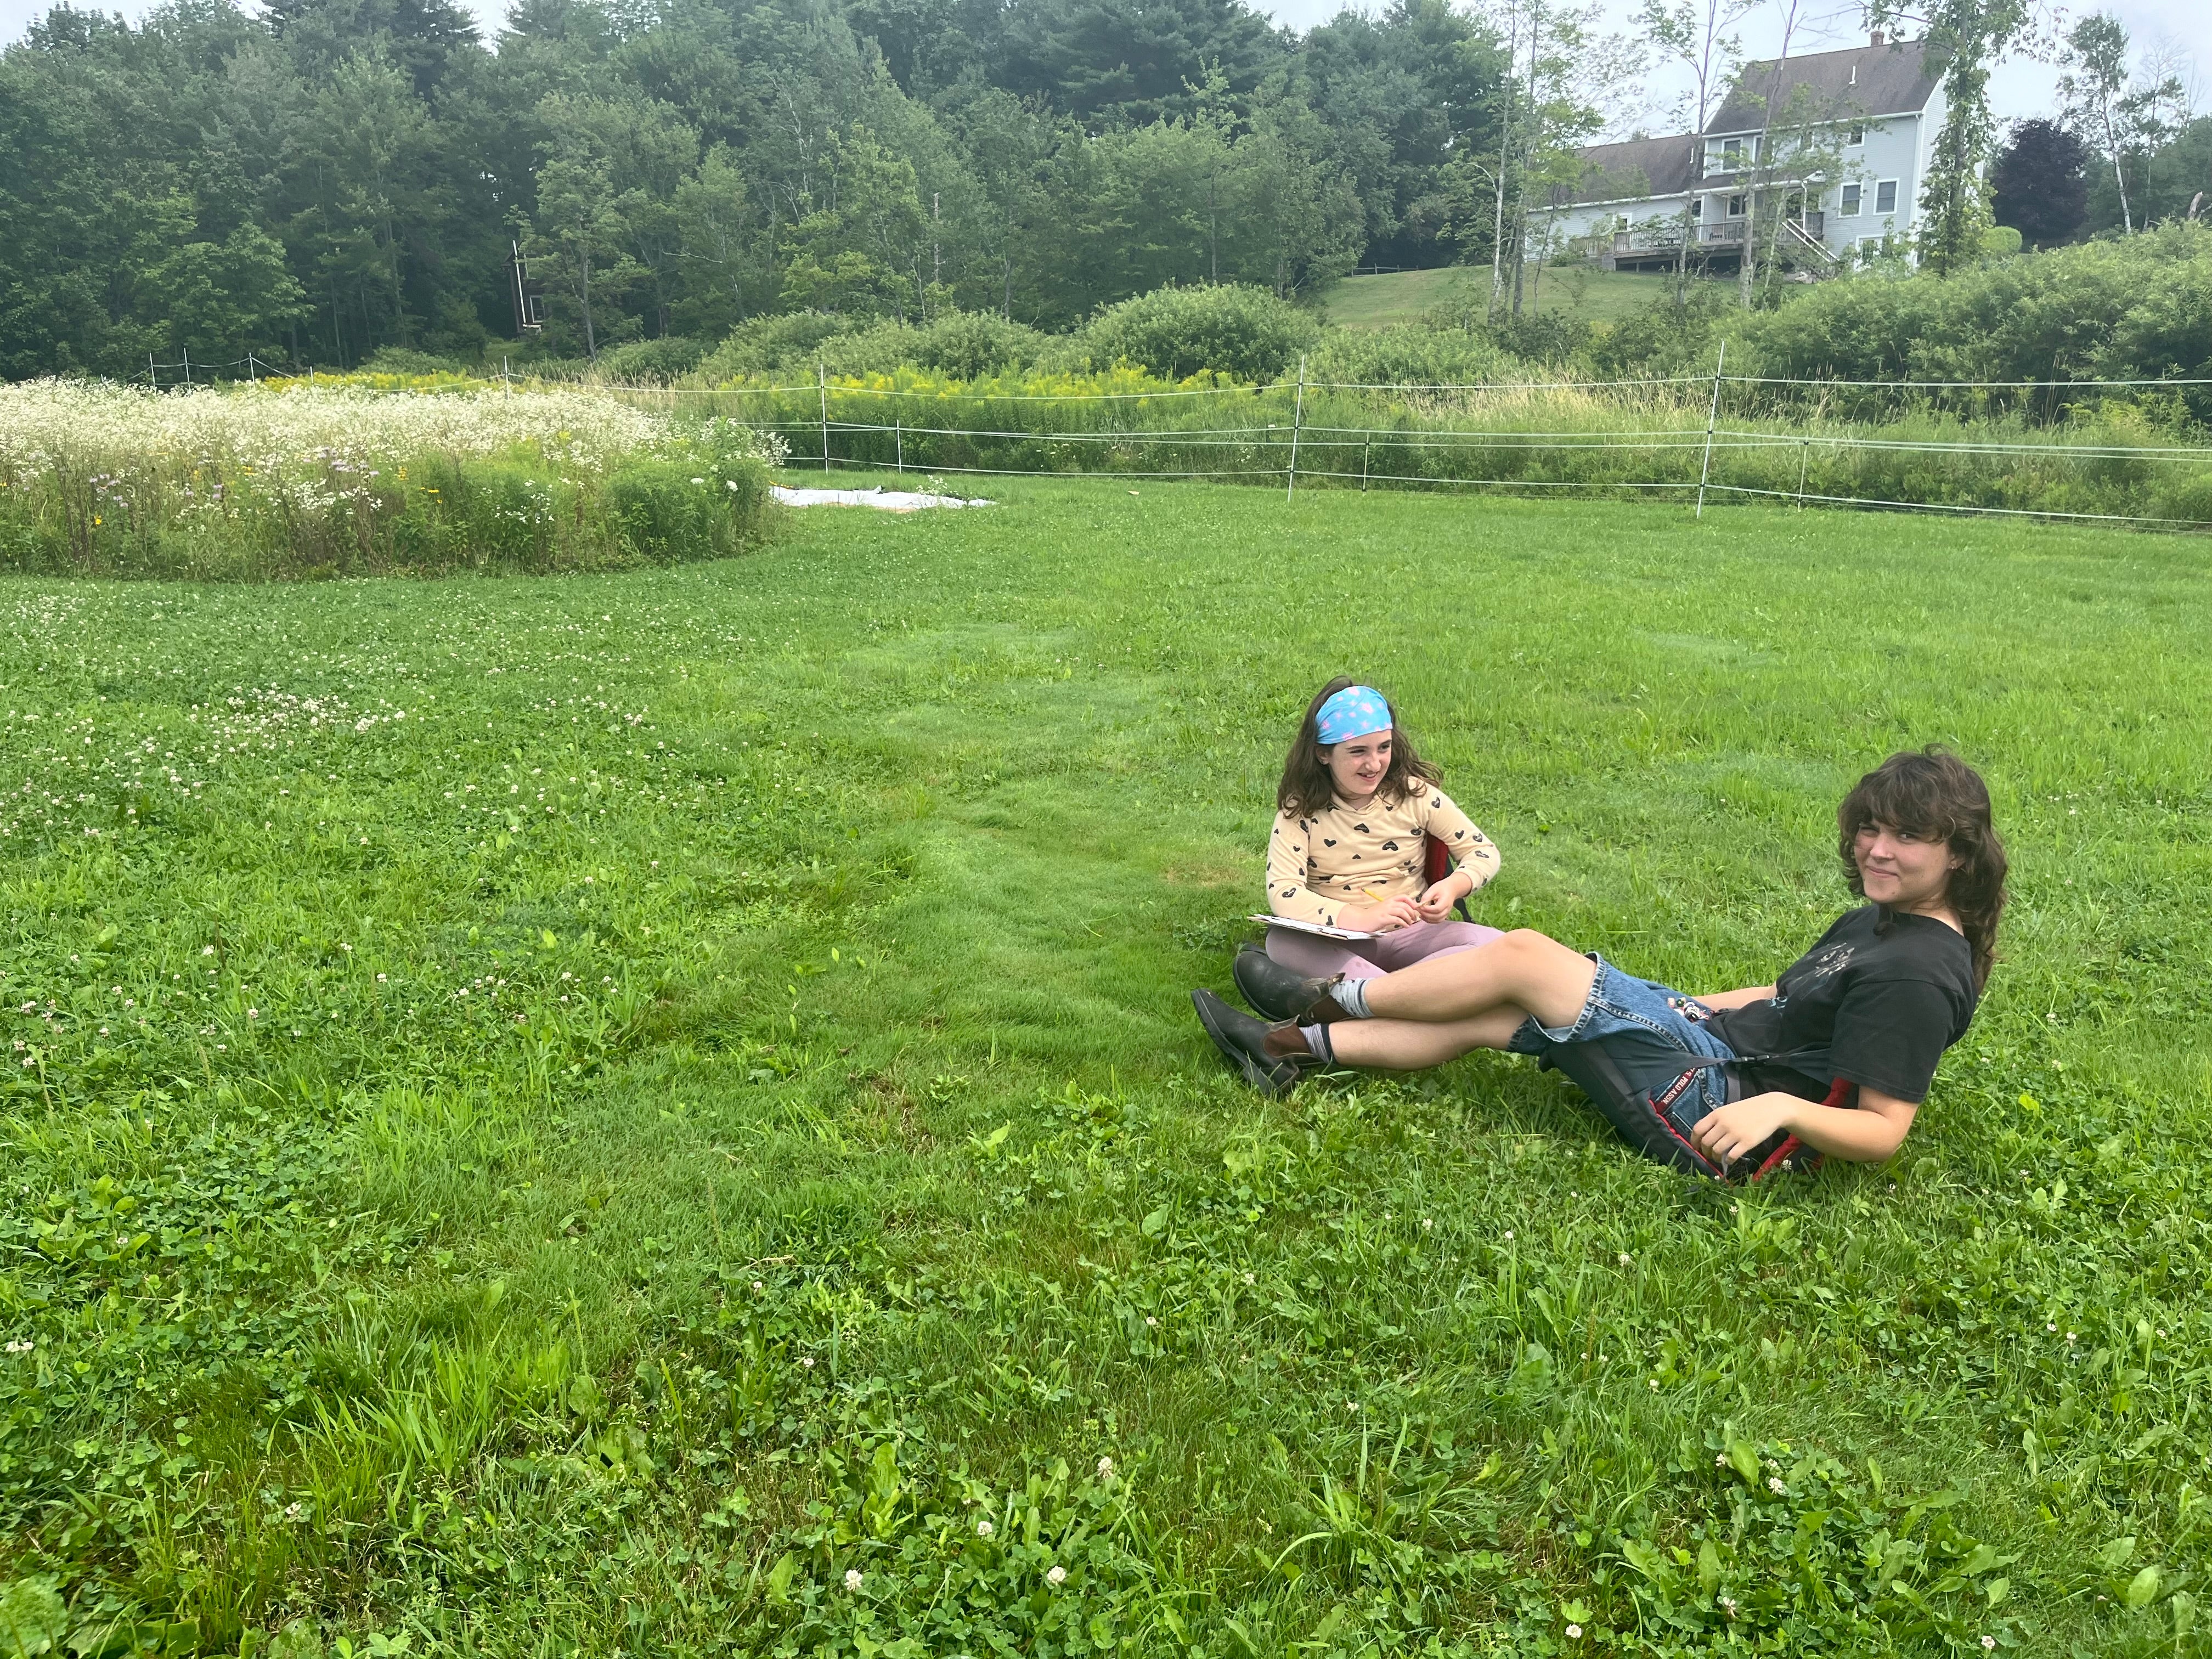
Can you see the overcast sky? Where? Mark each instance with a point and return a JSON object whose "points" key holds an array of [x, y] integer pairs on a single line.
{"points": [[2020, 88]]}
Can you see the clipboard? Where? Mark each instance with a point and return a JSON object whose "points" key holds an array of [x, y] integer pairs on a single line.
{"points": [[1314, 928]]}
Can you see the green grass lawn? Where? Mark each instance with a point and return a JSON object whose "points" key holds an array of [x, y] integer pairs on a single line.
{"points": [[1405, 296], [569, 1115]]}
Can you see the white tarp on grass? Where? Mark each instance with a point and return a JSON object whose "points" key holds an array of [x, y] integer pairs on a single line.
{"points": [[891, 500]]}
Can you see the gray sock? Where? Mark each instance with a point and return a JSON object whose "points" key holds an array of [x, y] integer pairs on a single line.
{"points": [[1317, 1044], [1351, 995]]}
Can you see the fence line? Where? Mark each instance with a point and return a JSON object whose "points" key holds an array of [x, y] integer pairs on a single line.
{"points": [[1283, 451], [1274, 454]]}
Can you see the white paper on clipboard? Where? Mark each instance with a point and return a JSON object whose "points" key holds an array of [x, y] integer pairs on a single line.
{"points": [[1313, 927]]}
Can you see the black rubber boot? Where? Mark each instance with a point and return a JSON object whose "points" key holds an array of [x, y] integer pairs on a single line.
{"points": [[1271, 1057], [1278, 993]]}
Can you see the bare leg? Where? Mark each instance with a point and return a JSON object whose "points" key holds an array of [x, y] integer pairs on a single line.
{"points": [[1408, 1045], [1525, 971]]}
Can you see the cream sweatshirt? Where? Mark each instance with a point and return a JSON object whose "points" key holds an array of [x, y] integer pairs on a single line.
{"points": [[1318, 865]]}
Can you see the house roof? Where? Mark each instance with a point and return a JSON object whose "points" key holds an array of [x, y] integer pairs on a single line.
{"points": [[1637, 168], [1896, 78]]}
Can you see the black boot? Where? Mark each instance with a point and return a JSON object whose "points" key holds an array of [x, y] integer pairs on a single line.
{"points": [[1278, 993], [1271, 1057]]}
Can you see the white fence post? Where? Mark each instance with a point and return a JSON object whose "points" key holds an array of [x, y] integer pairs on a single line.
{"points": [[1713, 414], [822, 384], [1297, 423]]}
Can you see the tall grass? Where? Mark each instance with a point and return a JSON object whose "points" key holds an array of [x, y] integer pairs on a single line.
{"points": [[291, 480]]}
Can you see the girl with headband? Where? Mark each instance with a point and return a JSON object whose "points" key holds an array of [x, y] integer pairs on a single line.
{"points": [[1350, 848]]}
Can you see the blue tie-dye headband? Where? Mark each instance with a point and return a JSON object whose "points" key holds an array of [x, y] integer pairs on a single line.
{"points": [[1351, 713]]}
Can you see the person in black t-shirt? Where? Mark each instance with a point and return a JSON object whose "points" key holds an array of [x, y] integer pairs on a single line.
{"points": [[1866, 1013]]}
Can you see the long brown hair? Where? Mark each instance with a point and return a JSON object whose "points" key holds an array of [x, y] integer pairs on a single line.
{"points": [[1307, 788], [1932, 793]]}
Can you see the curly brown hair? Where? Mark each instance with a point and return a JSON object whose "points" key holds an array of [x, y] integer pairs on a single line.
{"points": [[1932, 793], [1308, 789]]}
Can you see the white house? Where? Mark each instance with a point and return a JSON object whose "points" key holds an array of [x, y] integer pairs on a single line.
{"points": [[1837, 141]]}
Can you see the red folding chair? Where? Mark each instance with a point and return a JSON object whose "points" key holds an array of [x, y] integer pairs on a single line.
{"points": [[1439, 866]]}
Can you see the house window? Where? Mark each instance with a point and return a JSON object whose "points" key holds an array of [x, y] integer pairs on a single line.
{"points": [[1849, 208], [1857, 135], [1736, 207], [1697, 207], [533, 311], [1732, 152], [1884, 197]]}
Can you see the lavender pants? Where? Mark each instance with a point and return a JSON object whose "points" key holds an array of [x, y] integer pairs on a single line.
{"points": [[1402, 947]]}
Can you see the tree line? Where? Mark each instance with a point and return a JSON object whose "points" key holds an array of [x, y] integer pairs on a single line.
{"points": [[324, 179]]}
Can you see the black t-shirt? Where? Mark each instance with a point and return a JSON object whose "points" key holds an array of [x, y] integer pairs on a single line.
{"points": [[1877, 1001]]}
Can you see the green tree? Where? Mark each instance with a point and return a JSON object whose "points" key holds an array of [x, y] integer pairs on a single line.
{"points": [[225, 299], [582, 229], [718, 234], [1968, 38], [858, 246]]}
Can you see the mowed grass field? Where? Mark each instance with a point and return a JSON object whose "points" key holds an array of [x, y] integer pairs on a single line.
{"points": [[659, 1114]]}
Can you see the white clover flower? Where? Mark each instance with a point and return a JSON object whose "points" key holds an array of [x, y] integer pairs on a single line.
{"points": [[1057, 1575], [982, 1530], [1509, 1238], [1574, 1633], [808, 1362], [1105, 1468], [1988, 1644], [852, 1578], [1626, 1259], [1774, 1484]]}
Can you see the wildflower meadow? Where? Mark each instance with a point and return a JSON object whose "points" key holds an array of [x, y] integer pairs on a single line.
{"points": [[655, 1111], [294, 480]]}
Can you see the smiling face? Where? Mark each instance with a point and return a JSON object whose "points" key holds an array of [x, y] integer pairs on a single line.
{"points": [[1355, 765], [1903, 869]]}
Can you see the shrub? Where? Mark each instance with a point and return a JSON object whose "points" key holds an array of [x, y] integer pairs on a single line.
{"points": [[1176, 333], [2138, 307], [768, 343], [703, 502], [652, 360], [1662, 339], [972, 344], [402, 360], [1548, 337], [1409, 355]]}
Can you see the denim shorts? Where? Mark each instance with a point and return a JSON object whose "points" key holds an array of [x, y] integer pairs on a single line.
{"points": [[1642, 1026]]}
